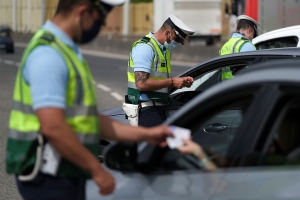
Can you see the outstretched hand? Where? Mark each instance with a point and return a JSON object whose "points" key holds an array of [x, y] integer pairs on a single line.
{"points": [[189, 147], [157, 135]]}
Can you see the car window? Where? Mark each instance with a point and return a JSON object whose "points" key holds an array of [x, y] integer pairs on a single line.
{"points": [[283, 144], [217, 132], [278, 43], [205, 81]]}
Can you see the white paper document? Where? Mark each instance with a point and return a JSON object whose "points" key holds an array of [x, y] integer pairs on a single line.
{"points": [[179, 134]]}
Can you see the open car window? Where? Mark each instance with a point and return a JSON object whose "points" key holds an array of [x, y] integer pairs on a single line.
{"points": [[282, 146], [205, 81], [284, 42]]}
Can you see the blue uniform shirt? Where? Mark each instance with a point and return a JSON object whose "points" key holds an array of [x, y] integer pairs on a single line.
{"points": [[248, 46], [142, 56], [46, 72]]}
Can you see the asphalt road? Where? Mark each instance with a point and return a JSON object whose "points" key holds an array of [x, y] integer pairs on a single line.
{"points": [[110, 77]]}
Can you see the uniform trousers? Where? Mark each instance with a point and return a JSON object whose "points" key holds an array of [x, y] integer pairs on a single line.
{"points": [[152, 116], [47, 187]]}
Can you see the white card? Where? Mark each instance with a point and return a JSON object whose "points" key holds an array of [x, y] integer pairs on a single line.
{"points": [[179, 134]]}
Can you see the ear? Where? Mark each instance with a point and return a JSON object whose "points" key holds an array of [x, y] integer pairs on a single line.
{"points": [[80, 10], [167, 31]]}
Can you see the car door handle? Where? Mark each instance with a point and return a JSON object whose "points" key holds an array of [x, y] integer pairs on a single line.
{"points": [[214, 128]]}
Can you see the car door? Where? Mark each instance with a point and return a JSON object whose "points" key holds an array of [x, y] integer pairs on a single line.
{"points": [[205, 75], [175, 176], [270, 169]]}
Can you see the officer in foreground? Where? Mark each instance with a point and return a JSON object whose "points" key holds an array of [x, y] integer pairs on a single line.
{"points": [[149, 69], [240, 41], [54, 125]]}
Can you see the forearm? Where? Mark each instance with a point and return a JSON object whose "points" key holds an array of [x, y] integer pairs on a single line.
{"points": [[151, 84], [207, 163], [114, 130], [68, 145]]}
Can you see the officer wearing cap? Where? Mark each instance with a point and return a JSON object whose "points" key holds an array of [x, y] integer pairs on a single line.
{"points": [[240, 41], [149, 70], [54, 125]]}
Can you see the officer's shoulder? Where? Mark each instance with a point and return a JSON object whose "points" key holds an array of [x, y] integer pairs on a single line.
{"points": [[243, 38], [145, 39], [48, 37], [45, 52]]}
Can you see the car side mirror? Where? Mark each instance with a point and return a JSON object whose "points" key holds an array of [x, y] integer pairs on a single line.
{"points": [[121, 156]]}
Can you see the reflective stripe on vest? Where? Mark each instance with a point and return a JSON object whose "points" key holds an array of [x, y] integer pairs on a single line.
{"points": [[160, 70], [81, 111]]}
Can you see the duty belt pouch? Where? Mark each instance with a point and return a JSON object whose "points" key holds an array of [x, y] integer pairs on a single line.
{"points": [[132, 112]]}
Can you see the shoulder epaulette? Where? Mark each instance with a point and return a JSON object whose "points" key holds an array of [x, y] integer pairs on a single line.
{"points": [[48, 37], [243, 38], [145, 39]]}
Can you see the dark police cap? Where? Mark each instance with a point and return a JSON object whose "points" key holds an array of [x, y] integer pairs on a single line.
{"points": [[181, 29]]}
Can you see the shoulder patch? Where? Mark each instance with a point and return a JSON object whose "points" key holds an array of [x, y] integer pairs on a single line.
{"points": [[243, 38], [48, 37], [145, 39]]}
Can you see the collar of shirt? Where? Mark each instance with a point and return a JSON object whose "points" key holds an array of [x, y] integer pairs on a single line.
{"points": [[60, 34], [161, 46], [237, 35]]}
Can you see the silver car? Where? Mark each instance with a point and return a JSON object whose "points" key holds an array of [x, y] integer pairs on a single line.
{"points": [[257, 152]]}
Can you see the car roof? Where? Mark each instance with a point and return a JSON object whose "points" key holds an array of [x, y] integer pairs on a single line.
{"points": [[283, 71], [278, 33], [3, 27], [293, 51]]}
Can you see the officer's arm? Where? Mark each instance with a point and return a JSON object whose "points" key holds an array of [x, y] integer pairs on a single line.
{"points": [[64, 140], [143, 83], [114, 130]]}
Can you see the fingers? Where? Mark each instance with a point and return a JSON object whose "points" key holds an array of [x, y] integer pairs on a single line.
{"points": [[107, 191], [105, 181]]}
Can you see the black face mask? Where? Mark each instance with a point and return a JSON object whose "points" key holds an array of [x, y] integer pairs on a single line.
{"points": [[91, 34]]}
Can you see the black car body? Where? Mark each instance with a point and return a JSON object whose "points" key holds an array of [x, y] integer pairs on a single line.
{"points": [[208, 73], [6, 40]]}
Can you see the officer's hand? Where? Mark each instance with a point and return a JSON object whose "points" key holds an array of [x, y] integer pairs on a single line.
{"points": [[104, 180], [157, 135], [180, 82], [188, 81]]}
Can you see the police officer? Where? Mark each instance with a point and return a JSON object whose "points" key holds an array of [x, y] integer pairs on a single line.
{"points": [[54, 125], [149, 70], [240, 41]]}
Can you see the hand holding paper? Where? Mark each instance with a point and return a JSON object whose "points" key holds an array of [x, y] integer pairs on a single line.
{"points": [[179, 134]]}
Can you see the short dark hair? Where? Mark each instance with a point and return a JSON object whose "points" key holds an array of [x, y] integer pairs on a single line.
{"points": [[243, 25], [165, 26], [66, 6]]}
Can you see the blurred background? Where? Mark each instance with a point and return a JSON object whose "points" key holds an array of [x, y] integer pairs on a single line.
{"points": [[213, 21]]}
